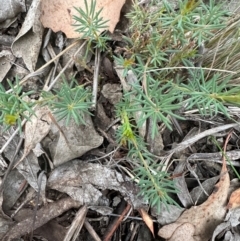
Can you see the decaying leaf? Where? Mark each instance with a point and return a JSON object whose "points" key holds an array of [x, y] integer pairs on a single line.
{"points": [[184, 232], [167, 215], [6, 60], [229, 229], [43, 215], [204, 218], [13, 189], [51, 231], [234, 201], [72, 141], [29, 40], [58, 14], [183, 194], [10, 8], [82, 181], [35, 130]]}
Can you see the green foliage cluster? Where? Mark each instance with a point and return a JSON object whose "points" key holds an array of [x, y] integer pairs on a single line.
{"points": [[162, 46], [71, 101], [14, 105], [89, 24], [155, 185], [162, 50]]}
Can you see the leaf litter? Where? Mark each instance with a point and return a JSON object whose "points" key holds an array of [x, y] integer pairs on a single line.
{"points": [[199, 222], [82, 175]]}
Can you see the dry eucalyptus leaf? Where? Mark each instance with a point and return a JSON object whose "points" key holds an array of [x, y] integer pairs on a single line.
{"points": [[197, 194], [43, 215], [166, 216], [11, 8], [230, 228], [29, 169], [36, 129], [37, 150], [81, 181], [234, 201], [184, 232], [58, 14], [6, 61], [29, 40], [12, 189], [73, 141], [52, 230], [205, 217], [183, 193]]}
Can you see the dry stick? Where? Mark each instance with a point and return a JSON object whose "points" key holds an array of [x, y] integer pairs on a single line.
{"points": [[56, 62], [194, 174], [77, 224], [40, 70], [225, 148], [183, 67], [216, 157], [134, 232], [68, 63], [95, 78], [183, 145], [12, 136], [91, 231], [48, 79], [117, 223], [39, 183], [29, 197]]}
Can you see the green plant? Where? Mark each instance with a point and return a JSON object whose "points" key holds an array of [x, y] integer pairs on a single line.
{"points": [[71, 101], [159, 36], [14, 105], [210, 96], [161, 50], [90, 25], [155, 184]]}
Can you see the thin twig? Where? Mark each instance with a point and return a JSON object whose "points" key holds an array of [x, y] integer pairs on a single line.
{"points": [[95, 78], [40, 70], [68, 63], [12, 136], [183, 145], [183, 67], [90, 229], [39, 182]]}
